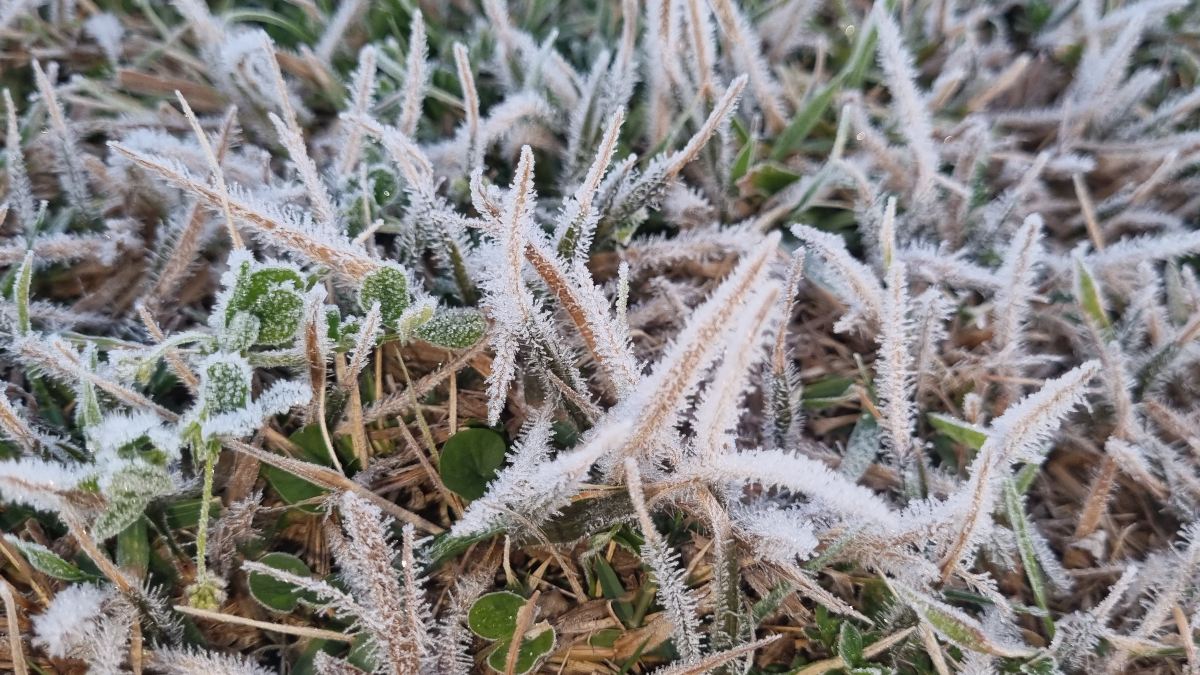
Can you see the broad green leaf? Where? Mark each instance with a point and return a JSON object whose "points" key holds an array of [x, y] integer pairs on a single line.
{"points": [[291, 488], [48, 562], [532, 650], [850, 643], [471, 458], [494, 615], [272, 593], [963, 432]]}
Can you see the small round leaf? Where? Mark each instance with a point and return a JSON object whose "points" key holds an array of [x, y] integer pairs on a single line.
{"points": [[279, 311], [388, 286], [225, 383], [470, 459], [494, 616], [276, 595]]}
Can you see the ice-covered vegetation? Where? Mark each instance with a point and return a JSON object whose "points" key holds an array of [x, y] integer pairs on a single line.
{"points": [[600, 336]]}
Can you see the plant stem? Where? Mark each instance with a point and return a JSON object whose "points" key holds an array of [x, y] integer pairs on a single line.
{"points": [[210, 449]]}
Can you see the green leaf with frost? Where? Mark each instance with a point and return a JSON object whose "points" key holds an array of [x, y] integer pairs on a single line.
{"points": [[128, 492], [275, 594], [954, 625], [850, 643], [862, 448], [456, 328], [21, 294], [48, 562], [415, 316], [273, 296], [961, 431], [1091, 301], [494, 616], [241, 333], [87, 411], [225, 384], [279, 311], [388, 286], [1014, 507]]}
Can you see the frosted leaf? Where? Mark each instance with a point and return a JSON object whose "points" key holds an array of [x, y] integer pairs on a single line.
{"points": [[863, 291], [388, 286], [270, 292], [224, 383], [908, 100], [241, 333], [455, 328], [128, 492], [414, 316], [280, 398]]}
